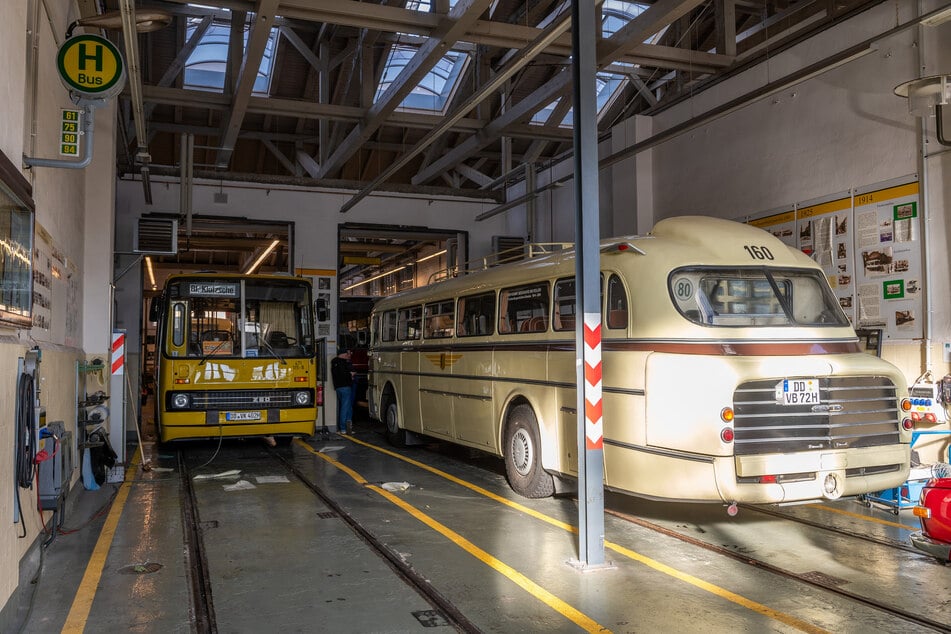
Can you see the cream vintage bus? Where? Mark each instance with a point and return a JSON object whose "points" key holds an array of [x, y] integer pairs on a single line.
{"points": [[730, 373]]}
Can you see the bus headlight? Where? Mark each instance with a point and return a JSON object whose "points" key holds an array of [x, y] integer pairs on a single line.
{"points": [[180, 400], [302, 398]]}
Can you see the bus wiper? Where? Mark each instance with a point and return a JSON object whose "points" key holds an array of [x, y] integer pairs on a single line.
{"points": [[272, 350], [211, 352]]}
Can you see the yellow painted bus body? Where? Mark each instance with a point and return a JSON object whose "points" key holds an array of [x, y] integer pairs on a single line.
{"points": [[668, 375], [231, 381]]}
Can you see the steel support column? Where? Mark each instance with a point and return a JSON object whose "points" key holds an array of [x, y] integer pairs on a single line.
{"points": [[587, 288]]}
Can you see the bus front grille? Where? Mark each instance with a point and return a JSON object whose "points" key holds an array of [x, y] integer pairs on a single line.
{"points": [[241, 399], [852, 412]]}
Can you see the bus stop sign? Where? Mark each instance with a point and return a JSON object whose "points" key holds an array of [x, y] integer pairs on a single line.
{"points": [[91, 67]]}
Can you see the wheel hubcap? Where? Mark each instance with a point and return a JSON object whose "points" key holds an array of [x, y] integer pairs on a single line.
{"points": [[522, 451], [391, 419]]}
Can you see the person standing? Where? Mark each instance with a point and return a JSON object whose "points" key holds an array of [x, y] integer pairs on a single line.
{"points": [[342, 373]]}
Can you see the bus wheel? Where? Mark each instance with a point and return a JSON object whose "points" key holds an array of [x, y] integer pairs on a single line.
{"points": [[523, 465], [391, 418]]}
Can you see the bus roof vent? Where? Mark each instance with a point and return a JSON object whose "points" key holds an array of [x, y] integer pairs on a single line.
{"points": [[156, 235], [508, 249]]}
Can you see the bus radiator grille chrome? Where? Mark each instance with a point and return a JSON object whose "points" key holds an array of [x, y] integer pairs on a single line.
{"points": [[855, 412]]}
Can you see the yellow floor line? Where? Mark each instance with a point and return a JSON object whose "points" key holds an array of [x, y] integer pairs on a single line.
{"points": [[82, 602], [647, 561], [575, 616], [859, 516]]}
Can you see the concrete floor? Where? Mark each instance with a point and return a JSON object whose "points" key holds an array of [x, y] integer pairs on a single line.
{"points": [[281, 559]]}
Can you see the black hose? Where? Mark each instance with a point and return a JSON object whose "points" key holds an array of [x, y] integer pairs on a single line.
{"points": [[25, 438], [26, 431]]}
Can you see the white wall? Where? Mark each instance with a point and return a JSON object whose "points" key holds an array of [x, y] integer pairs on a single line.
{"points": [[30, 125]]}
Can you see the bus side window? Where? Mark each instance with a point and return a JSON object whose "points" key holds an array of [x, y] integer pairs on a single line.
{"points": [[564, 313], [389, 325], [617, 303], [476, 313], [178, 324]]}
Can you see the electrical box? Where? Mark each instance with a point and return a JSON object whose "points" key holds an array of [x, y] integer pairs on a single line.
{"points": [[56, 472], [926, 398]]}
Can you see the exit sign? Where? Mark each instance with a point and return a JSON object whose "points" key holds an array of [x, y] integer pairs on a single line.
{"points": [[70, 126]]}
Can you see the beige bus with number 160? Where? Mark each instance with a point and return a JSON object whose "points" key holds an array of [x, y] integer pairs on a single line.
{"points": [[730, 373]]}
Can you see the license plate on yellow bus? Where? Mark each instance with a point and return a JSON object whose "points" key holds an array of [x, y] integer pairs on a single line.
{"points": [[798, 392], [229, 416]]}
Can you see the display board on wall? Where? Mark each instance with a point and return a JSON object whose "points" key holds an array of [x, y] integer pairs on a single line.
{"points": [[888, 243], [824, 230], [868, 242]]}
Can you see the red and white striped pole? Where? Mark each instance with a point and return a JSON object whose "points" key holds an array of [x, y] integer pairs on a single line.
{"points": [[117, 391], [593, 431], [118, 353]]}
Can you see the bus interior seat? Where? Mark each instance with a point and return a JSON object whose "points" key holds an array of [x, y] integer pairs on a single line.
{"points": [[535, 324], [216, 335], [617, 318]]}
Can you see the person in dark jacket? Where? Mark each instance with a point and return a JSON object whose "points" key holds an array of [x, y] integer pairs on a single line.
{"points": [[341, 371]]}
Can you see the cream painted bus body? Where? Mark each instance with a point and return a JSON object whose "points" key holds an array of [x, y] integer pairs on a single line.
{"points": [[667, 377]]}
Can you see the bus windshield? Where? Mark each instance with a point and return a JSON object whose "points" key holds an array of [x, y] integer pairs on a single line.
{"points": [[239, 318], [716, 296]]}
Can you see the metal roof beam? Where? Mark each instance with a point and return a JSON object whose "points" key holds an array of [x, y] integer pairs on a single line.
{"points": [[450, 29], [648, 23], [254, 52]]}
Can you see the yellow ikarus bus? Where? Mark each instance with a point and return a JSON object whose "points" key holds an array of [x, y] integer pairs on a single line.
{"points": [[730, 373], [235, 356]]}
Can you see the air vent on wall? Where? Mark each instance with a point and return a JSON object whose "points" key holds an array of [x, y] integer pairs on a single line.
{"points": [[508, 248], [156, 235]]}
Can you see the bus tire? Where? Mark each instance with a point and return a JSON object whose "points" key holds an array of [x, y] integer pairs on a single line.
{"points": [[522, 454], [395, 434]]}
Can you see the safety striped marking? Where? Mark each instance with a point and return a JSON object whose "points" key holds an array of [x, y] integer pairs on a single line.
{"points": [[118, 352], [575, 616], [593, 430], [723, 593], [86, 593]]}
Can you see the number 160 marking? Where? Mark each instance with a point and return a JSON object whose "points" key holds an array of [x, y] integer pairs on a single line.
{"points": [[759, 253]]}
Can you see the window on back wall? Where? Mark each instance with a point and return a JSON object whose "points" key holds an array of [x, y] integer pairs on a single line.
{"points": [[16, 247]]}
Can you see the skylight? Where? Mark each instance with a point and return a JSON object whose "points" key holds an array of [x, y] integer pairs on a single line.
{"points": [[615, 14], [434, 92], [205, 68]]}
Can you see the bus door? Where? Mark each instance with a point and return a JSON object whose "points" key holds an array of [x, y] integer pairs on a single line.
{"points": [[408, 333], [562, 371], [435, 368], [473, 371]]}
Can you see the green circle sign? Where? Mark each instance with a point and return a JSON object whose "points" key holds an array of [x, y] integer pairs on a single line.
{"points": [[91, 66]]}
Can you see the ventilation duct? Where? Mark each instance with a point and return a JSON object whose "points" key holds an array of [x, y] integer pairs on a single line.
{"points": [[157, 236], [508, 249]]}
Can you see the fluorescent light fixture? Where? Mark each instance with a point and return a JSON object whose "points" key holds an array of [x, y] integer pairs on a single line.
{"points": [[261, 257], [430, 256], [148, 266], [376, 277]]}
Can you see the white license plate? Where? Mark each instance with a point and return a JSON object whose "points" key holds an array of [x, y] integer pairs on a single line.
{"points": [[243, 416], [798, 392]]}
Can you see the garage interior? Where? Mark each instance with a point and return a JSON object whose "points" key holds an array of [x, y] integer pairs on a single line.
{"points": [[376, 145]]}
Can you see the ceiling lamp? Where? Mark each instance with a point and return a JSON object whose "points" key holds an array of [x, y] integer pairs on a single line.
{"points": [[145, 21], [927, 93]]}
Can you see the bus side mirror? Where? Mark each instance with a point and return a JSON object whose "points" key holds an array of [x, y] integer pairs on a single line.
{"points": [[322, 310], [155, 305]]}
